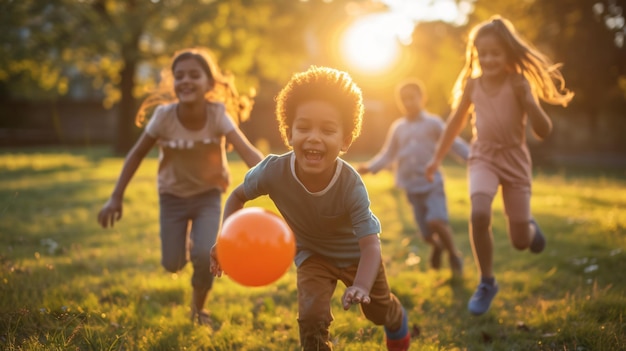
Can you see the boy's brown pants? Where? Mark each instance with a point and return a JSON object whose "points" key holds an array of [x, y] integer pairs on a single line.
{"points": [[317, 280]]}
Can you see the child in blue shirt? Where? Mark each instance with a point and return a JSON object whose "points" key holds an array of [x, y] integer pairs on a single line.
{"points": [[324, 201], [411, 142]]}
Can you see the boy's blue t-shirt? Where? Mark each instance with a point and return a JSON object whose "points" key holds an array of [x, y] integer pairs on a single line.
{"points": [[328, 223]]}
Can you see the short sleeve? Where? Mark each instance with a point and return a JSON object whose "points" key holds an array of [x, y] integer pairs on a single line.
{"points": [[225, 123], [254, 184], [154, 127]]}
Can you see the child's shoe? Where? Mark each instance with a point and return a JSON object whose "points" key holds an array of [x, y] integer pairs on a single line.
{"points": [[400, 339], [539, 241], [481, 300], [400, 344]]}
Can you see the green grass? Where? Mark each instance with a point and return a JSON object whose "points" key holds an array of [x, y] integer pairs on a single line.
{"points": [[67, 284]]}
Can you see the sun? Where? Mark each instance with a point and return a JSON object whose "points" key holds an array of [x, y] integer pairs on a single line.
{"points": [[371, 44]]}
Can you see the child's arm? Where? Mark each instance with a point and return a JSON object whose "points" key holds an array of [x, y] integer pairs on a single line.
{"points": [[539, 119], [250, 155], [366, 273], [454, 126], [385, 156], [234, 203], [112, 209], [460, 148]]}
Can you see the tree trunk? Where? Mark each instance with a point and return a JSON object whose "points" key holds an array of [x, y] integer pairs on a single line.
{"points": [[125, 137], [126, 132]]}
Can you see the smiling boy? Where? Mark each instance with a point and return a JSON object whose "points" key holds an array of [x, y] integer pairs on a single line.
{"points": [[324, 201]]}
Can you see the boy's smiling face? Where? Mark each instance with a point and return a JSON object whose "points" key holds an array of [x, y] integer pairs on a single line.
{"points": [[317, 137]]}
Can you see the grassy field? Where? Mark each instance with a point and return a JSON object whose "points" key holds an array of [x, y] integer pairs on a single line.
{"points": [[67, 284]]}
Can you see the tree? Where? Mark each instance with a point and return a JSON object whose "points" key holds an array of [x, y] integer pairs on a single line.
{"points": [[47, 43]]}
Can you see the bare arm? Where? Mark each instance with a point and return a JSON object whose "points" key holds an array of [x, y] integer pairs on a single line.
{"points": [[235, 202], [250, 155], [539, 119], [460, 149], [112, 209], [454, 126], [385, 156], [541, 123], [369, 265]]}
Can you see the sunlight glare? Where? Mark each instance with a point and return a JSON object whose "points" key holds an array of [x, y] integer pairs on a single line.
{"points": [[451, 11], [372, 43]]}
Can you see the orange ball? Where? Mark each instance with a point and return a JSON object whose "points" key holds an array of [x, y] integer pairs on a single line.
{"points": [[255, 246]]}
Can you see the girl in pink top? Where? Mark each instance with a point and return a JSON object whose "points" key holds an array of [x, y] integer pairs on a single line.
{"points": [[191, 122], [503, 79]]}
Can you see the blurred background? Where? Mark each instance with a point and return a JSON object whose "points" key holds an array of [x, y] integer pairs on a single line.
{"points": [[73, 72]]}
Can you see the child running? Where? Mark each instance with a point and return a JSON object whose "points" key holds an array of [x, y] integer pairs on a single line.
{"points": [[324, 201], [191, 126], [410, 143], [502, 82]]}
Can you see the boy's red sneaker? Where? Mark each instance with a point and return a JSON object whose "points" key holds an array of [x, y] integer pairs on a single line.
{"points": [[399, 344]]}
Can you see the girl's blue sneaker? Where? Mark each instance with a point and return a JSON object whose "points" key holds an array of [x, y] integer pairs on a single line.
{"points": [[481, 300], [539, 241]]}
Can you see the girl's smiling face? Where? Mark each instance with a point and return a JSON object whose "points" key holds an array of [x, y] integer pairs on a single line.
{"points": [[317, 137], [492, 56], [190, 81]]}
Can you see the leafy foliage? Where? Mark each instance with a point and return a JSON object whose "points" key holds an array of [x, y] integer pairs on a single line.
{"points": [[120, 46], [112, 50]]}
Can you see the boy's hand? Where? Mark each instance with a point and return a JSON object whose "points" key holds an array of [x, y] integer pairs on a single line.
{"points": [[110, 212], [355, 295], [431, 168], [216, 269]]}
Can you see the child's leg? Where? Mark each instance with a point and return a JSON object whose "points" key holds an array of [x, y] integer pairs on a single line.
{"points": [[481, 235], [437, 219], [316, 281], [516, 199], [384, 309], [444, 232], [523, 230], [418, 204], [206, 212], [484, 184], [436, 250], [174, 221]]}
